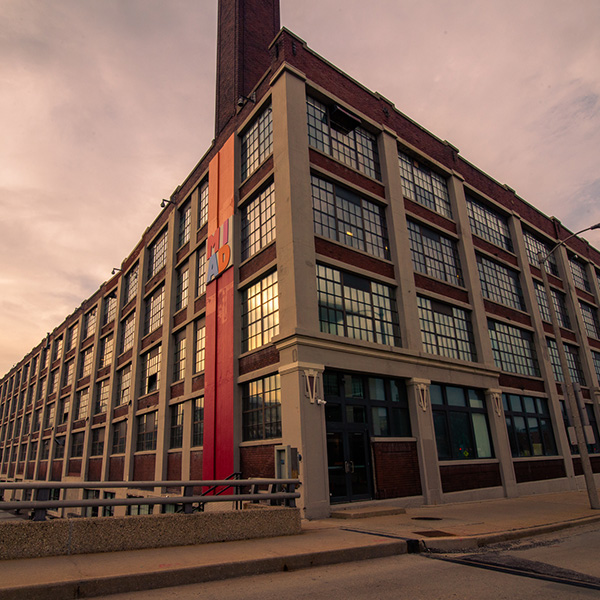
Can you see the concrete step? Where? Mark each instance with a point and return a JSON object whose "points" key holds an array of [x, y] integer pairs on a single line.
{"points": [[367, 512]]}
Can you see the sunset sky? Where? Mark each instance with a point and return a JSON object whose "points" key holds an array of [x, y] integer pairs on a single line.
{"points": [[107, 105]]}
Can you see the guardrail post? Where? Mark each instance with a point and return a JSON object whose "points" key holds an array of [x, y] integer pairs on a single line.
{"points": [[42, 495], [188, 508]]}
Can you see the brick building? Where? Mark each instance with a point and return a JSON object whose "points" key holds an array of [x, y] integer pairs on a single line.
{"points": [[330, 276]]}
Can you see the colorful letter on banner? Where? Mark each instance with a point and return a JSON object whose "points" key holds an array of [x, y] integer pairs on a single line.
{"points": [[219, 383]]}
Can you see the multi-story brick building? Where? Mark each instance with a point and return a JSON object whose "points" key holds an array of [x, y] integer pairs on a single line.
{"points": [[332, 277]]}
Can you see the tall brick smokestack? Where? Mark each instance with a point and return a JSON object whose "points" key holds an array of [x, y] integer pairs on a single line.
{"points": [[244, 31]]}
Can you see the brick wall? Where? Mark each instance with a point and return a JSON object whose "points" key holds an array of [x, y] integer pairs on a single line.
{"points": [[538, 470], [116, 468], [144, 467], [257, 461], [174, 466], [94, 469], [396, 469], [456, 478]]}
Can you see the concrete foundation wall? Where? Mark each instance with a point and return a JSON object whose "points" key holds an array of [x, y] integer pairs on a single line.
{"points": [[28, 539]]}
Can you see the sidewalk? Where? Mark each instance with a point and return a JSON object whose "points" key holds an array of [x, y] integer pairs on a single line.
{"points": [[367, 531]]}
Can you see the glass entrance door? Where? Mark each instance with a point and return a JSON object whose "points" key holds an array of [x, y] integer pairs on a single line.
{"points": [[348, 465]]}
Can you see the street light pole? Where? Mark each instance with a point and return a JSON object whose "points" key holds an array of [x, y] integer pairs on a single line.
{"points": [[568, 389]]}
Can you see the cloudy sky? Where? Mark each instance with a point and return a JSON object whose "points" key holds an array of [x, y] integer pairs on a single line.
{"points": [[107, 105]]}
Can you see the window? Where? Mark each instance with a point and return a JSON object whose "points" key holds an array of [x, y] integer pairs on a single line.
{"points": [[258, 222], [434, 254], [345, 217], [499, 283], [119, 437], [446, 330], [593, 448], [33, 446], [560, 306], [179, 356], [351, 145], [185, 224], [579, 274], [513, 349], [424, 186], [53, 381], [82, 402], [154, 310], [71, 337], [102, 395], [257, 143], [89, 324], [590, 319], [37, 420], [596, 360], [124, 385], [85, 366], [131, 283], [146, 432], [203, 203], [261, 412], [68, 371], [488, 224], [109, 308], [45, 449], [200, 346], [533, 247], [380, 402], [56, 350], [157, 254], [176, 433], [59, 446], [97, 442], [150, 379], [127, 333], [201, 271], [106, 351], [49, 416], [573, 362], [461, 425], [108, 511], [529, 426], [63, 410], [77, 441], [355, 307], [260, 313], [198, 422], [183, 284], [91, 511]]}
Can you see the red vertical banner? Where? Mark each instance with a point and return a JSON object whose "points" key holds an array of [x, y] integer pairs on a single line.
{"points": [[219, 384]]}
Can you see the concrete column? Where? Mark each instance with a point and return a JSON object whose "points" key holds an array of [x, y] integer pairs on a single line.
{"points": [[410, 329], [495, 412], [421, 418], [303, 427]]}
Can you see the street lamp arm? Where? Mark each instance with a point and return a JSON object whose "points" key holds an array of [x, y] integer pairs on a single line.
{"points": [[543, 260]]}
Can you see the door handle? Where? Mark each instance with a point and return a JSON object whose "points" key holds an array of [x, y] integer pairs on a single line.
{"points": [[349, 466]]}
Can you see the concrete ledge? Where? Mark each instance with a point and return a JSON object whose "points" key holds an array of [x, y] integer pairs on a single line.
{"points": [[28, 539]]}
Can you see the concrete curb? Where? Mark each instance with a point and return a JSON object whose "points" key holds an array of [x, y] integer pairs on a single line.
{"points": [[99, 586], [458, 544]]}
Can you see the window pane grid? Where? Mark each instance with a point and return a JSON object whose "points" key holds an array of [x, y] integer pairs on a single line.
{"points": [[157, 254], [201, 271], [179, 357], [261, 410], [513, 349], [200, 348], [127, 333], [154, 310], [499, 283], [182, 291], [488, 224], [560, 306], [579, 275], [185, 224], [124, 385], [203, 203], [198, 422], [260, 313], [446, 330], [434, 254], [424, 186], [146, 432], [150, 379], [358, 308], [357, 149], [176, 433], [258, 222], [533, 247], [257, 143], [590, 320], [131, 283]]}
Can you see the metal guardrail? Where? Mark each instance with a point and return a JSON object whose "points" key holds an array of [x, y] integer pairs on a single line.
{"points": [[280, 492]]}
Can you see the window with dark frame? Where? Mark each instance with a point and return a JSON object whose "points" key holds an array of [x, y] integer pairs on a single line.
{"points": [[261, 409], [260, 312], [258, 222], [558, 300], [97, 448], [198, 422], [489, 224], [157, 254], [348, 218], [533, 247], [146, 432], [119, 437], [185, 224], [176, 430], [356, 307], [529, 426], [257, 142], [513, 349], [203, 203], [154, 310], [579, 273], [460, 420], [77, 442], [150, 377], [131, 283], [500, 283]]}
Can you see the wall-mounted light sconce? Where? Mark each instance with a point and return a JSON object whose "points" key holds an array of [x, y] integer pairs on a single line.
{"points": [[164, 202], [115, 269], [243, 100]]}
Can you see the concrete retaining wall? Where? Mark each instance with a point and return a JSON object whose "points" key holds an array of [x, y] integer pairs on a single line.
{"points": [[28, 539]]}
